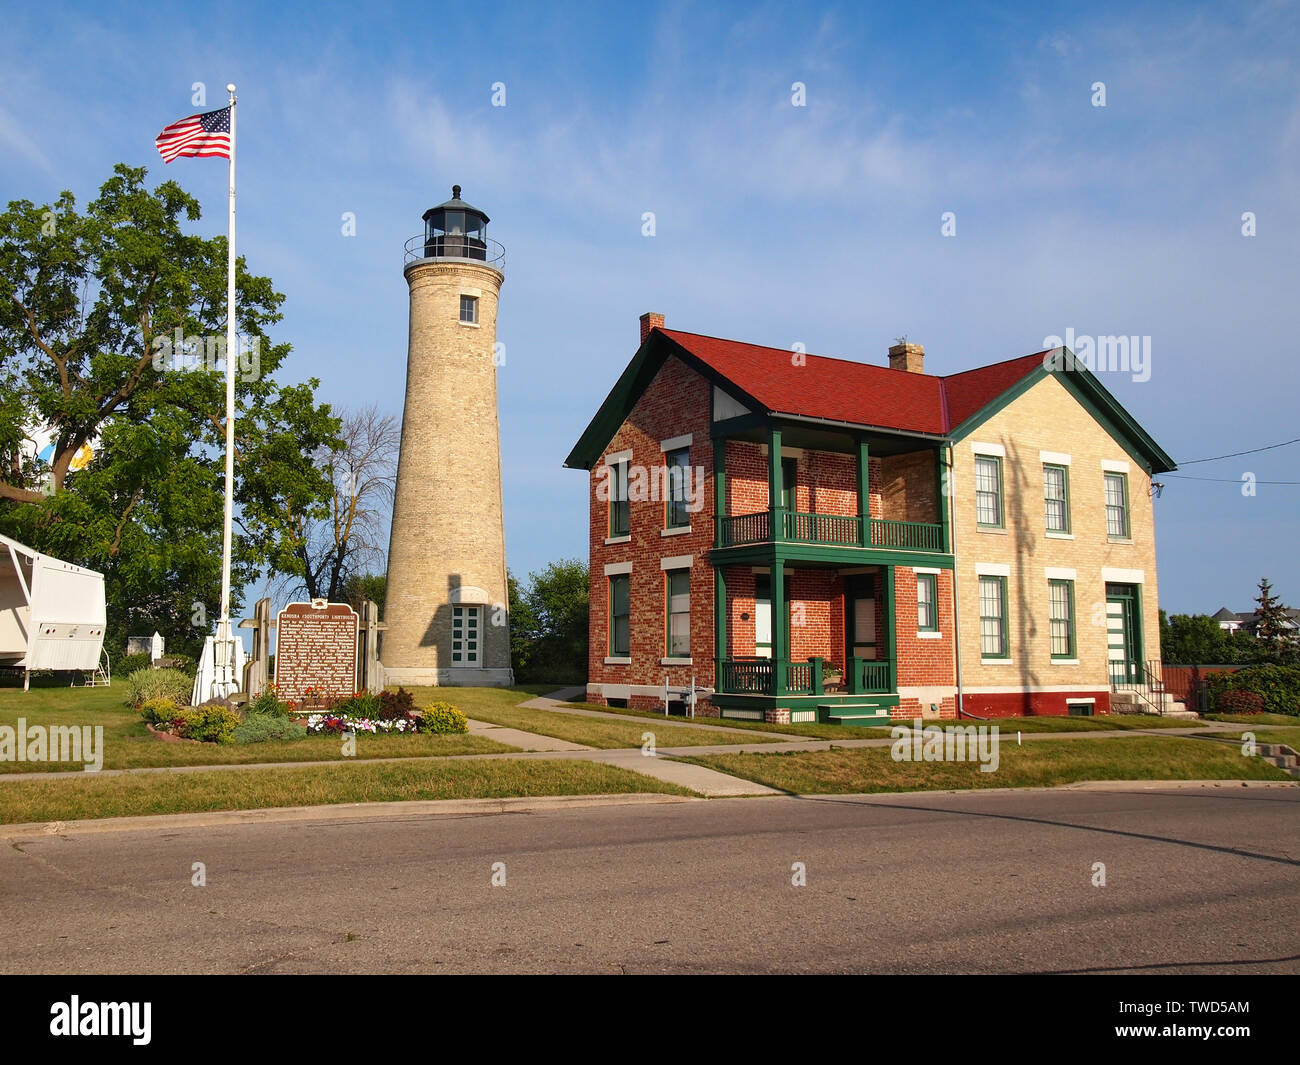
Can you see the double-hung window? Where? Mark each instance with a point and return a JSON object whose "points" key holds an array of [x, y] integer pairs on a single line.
{"points": [[1056, 497], [1117, 521], [677, 470], [678, 586], [927, 605], [1060, 594], [993, 617], [619, 615], [988, 491], [620, 509]]}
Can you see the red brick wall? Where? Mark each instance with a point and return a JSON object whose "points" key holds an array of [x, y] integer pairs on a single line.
{"points": [[1026, 704], [811, 591], [907, 485], [826, 482], [676, 402]]}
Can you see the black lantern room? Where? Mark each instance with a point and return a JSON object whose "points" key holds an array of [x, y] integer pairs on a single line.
{"points": [[455, 230]]}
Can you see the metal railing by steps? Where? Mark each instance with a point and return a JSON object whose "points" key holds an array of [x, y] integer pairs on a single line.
{"points": [[1148, 692]]}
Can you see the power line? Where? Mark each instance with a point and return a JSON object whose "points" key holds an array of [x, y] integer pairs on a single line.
{"points": [[1252, 451], [1221, 480]]}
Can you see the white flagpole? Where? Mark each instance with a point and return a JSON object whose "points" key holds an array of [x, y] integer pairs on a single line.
{"points": [[225, 651]]}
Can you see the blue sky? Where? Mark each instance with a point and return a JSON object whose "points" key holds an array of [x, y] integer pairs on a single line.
{"points": [[774, 223]]}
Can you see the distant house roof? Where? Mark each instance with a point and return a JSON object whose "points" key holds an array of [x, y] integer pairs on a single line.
{"points": [[1224, 614], [855, 394]]}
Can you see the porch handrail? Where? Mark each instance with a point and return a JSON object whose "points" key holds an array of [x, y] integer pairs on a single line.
{"points": [[843, 530]]}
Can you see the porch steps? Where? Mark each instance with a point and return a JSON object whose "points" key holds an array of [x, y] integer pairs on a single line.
{"points": [[852, 714], [1282, 756]]}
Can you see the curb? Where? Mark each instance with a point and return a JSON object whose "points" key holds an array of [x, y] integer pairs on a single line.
{"points": [[354, 812], [1081, 785]]}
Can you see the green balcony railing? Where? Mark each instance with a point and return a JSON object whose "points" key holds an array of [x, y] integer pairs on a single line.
{"points": [[871, 676], [913, 535], [759, 676], [823, 529], [842, 530]]}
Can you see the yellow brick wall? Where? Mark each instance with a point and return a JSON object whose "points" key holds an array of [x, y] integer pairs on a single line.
{"points": [[1048, 418]]}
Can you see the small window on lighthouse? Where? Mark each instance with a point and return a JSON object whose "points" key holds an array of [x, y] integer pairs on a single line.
{"points": [[469, 309]]}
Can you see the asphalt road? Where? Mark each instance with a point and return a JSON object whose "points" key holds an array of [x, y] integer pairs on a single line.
{"points": [[1204, 880]]}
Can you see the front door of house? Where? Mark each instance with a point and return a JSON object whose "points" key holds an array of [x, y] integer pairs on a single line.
{"points": [[1122, 634], [860, 617]]}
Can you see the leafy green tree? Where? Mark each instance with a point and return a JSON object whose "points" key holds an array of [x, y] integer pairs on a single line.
{"points": [[112, 324], [548, 622], [523, 627], [1194, 639], [362, 586]]}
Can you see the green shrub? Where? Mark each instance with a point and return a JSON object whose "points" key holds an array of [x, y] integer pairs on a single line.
{"points": [[267, 704], [128, 664], [1239, 701], [442, 718], [160, 711], [146, 684], [363, 704], [1278, 686], [210, 723], [185, 663], [258, 728]]}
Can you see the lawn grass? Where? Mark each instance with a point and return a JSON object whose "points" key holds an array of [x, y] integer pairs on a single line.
{"points": [[806, 730], [1255, 719], [89, 795], [497, 705], [128, 744], [1289, 736], [1112, 722], [872, 769]]}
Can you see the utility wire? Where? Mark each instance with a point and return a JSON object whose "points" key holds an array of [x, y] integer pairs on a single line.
{"points": [[1252, 451], [1221, 480]]}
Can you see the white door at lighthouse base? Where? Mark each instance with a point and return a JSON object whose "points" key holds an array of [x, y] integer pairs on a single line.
{"points": [[466, 630]]}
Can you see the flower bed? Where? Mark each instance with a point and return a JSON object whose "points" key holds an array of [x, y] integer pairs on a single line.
{"points": [[323, 723]]}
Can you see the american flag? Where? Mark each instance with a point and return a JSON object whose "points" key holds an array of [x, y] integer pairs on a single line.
{"points": [[205, 134]]}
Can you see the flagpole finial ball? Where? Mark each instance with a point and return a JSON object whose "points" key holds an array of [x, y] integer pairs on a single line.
{"points": [[230, 87]]}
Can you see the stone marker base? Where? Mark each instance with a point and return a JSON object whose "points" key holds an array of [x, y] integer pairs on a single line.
{"points": [[427, 676]]}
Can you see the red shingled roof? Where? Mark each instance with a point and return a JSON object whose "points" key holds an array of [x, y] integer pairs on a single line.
{"points": [[854, 392]]}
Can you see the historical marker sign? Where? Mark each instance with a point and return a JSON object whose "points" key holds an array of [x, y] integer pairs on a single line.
{"points": [[316, 647]]}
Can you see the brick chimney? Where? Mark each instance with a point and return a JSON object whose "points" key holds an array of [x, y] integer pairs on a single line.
{"points": [[650, 320], [909, 357]]}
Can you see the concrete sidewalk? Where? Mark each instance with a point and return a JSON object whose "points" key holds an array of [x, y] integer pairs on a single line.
{"points": [[525, 741]]}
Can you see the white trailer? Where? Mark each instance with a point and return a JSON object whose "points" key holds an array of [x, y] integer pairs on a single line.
{"points": [[52, 613]]}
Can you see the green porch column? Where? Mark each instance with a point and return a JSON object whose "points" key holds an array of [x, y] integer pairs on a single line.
{"points": [[719, 490], [774, 489], [942, 486], [891, 638], [719, 624], [780, 625], [864, 494]]}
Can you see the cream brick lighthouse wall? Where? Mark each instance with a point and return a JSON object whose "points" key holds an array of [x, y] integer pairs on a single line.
{"points": [[448, 535]]}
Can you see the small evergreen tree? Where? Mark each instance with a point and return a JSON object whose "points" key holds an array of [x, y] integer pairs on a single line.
{"points": [[1272, 623]]}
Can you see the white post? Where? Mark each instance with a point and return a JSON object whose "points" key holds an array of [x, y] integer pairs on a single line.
{"points": [[224, 659]]}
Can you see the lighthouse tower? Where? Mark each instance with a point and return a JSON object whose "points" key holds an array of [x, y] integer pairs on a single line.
{"points": [[445, 609]]}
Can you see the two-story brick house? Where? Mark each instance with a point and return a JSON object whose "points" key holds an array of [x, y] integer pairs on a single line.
{"points": [[819, 539]]}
